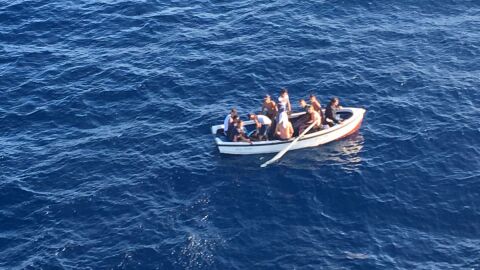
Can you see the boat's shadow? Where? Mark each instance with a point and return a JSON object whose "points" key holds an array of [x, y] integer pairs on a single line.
{"points": [[344, 153]]}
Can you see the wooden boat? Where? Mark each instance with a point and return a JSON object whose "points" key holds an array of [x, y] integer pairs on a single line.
{"points": [[352, 120]]}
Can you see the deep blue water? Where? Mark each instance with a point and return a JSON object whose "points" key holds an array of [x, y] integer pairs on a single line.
{"points": [[107, 162]]}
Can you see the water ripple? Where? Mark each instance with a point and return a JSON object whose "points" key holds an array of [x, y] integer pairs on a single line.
{"points": [[107, 161]]}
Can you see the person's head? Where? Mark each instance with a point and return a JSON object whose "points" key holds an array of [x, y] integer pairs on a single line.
{"points": [[252, 116], [310, 109], [233, 112], [334, 101], [267, 99], [313, 98], [283, 92], [239, 123], [234, 118], [303, 103]]}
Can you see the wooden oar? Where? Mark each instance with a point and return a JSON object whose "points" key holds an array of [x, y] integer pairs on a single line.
{"points": [[281, 153]]}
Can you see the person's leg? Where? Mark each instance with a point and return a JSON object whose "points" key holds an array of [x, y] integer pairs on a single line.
{"points": [[263, 132], [243, 139], [271, 116], [271, 133]]}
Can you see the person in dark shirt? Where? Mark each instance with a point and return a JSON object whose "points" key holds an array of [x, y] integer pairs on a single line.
{"points": [[239, 134], [331, 112], [232, 126], [301, 120], [304, 105], [229, 120]]}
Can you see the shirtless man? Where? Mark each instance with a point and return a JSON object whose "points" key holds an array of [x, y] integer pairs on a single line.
{"points": [[315, 103], [317, 107], [284, 128], [314, 118], [269, 108]]}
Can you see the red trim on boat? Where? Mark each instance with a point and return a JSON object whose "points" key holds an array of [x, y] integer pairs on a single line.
{"points": [[353, 130]]}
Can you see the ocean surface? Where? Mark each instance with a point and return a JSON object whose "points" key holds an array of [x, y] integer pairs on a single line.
{"points": [[107, 161]]}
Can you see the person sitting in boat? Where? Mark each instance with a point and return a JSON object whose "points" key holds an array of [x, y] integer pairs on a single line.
{"points": [[302, 120], [284, 129], [331, 112], [263, 124], [269, 108], [314, 118], [304, 105], [232, 126], [317, 107], [228, 120], [284, 102], [239, 134]]}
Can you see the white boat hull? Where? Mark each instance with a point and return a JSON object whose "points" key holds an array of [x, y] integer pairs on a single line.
{"points": [[313, 139]]}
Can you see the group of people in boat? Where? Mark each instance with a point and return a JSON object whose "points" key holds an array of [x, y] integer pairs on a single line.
{"points": [[273, 122]]}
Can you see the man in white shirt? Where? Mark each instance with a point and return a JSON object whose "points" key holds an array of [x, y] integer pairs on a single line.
{"points": [[263, 124], [284, 102]]}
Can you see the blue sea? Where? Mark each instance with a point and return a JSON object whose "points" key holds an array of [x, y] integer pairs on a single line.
{"points": [[107, 161]]}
